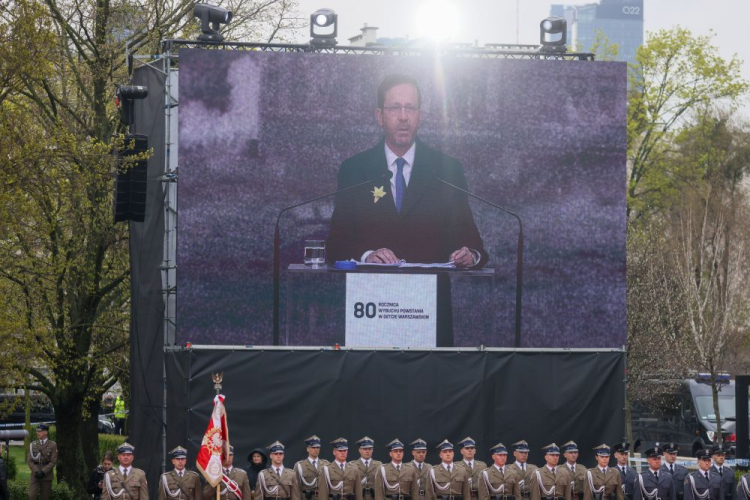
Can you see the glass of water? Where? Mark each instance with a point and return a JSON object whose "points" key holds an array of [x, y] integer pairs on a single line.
{"points": [[315, 253]]}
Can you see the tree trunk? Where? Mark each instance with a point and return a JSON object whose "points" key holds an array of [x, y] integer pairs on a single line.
{"points": [[715, 393], [70, 464], [90, 434]]}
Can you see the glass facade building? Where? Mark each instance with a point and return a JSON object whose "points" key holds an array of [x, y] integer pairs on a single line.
{"points": [[620, 20]]}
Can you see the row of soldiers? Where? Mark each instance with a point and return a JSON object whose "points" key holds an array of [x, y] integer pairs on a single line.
{"points": [[468, 479]]}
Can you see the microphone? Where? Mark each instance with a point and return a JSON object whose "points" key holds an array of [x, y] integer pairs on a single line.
{"points": [[519, 253], [277, 248]]}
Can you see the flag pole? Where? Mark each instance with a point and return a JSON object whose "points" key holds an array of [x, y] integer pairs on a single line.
{"points": [[217, 378]]}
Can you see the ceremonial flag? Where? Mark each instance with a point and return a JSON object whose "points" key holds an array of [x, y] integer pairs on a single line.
{"points": [[215, 445]]}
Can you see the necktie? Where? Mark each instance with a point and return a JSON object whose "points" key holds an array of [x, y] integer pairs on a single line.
{"points": [[706, 474], [341, 466], [573, 468], [315, 464], [523, 466], [671, 468], [623, 470], [420, 466], [180, 473], [125, 473], [449, 469], [553, 471], [400, 183], [398, 467], [226, 472], [604, 471], [721, 470], [278, 471], [656, 474]]}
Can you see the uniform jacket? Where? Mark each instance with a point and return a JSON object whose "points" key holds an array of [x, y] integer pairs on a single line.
{"points": [[135, 486], [441, 482], [330, 480], [435, 219], [714, 484], [474, 473], [268, 480], [628, 480], [307, 477], [665, 486], [678, 477], [399, 482], [576, 477], [560, 480], [187, 487], [239, 476], [491, 479], [46, 458], [523, 475], [611, 480], [727, 478], [423, 474], [743, 488], [368, 472]]}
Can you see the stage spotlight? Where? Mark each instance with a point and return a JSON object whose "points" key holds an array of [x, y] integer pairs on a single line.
{"points": [[553, 33], [323, 27], [211, 14]]}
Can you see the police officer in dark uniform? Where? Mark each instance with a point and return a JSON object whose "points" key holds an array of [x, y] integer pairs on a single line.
{"points": [[627, 473], [677, 471], [724, 471], [653, 484], [743, 488], [703, 484]]}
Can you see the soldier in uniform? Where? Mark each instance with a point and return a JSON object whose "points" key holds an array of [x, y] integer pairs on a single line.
{"points": [[743, 488], [652, 484], [602, 482], [368, 466], [549, 482], [724, 471], [577, 472], [42, 460], [521, 467], [419, 452], [179, 483], [627, 473], [308, 470], [703, 484], [277, 482], [396, 480], [235, 485], [498, 482], [678, 472], [340, 480], [468, 449], [447, 481], [125, 482]]}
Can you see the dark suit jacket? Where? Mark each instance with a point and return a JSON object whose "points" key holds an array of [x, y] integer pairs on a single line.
{"points": [[435, 219], [665, 485], [727, 478], [628, 479], [714, 484]]}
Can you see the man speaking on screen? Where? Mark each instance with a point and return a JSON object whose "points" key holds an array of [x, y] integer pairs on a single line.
{"points": [[413, 216]]}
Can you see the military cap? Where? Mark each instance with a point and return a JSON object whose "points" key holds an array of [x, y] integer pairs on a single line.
{"points": [[623, 447], [602, 450], [340, 444], [395, 445], [418, 444], [551, 449], [717, 450], [179, 452], [521, 446], [569, 446], [671, 448], [42, 427], [467, 442], [313, 441], [125, 448], [703, 454], [275, 447], [366, 442], [231, 450], [499, 449], [654, 452], [445, 445]]}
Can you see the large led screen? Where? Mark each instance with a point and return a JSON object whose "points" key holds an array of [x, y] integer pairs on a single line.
{"points": [[259, 131]]}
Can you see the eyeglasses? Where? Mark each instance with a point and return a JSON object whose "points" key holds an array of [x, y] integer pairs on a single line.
{"points": [[395, 110]]}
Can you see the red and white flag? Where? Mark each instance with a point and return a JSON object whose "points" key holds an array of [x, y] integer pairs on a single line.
{"points": [[215, 445]]}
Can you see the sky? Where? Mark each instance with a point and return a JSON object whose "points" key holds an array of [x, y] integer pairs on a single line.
{"points": [[494, 21]]}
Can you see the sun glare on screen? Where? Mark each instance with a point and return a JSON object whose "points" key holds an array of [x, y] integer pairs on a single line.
{"points": [[438, 20]]}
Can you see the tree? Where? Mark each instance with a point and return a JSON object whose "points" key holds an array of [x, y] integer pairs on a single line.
{"points": [[675, 72], [64, 266]]}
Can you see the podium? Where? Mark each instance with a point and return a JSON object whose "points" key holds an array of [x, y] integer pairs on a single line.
{"points": [[392, 307]]}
